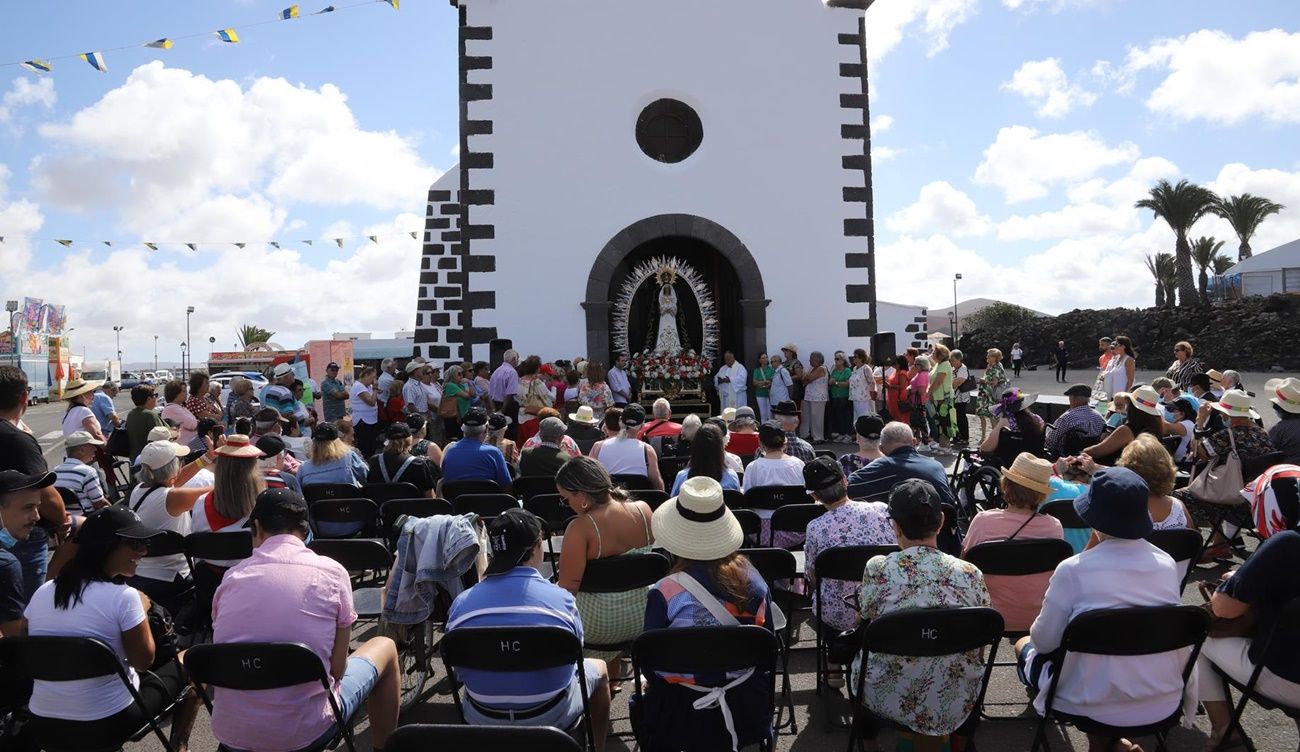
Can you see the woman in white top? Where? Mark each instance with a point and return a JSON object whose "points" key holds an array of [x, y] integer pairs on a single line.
{"points": [[1147, 457], [79, 394], [815, 396], [163, 501], [862, 385], [365, 412], [235, 487], [1183, 426], [621, 452], [1120, 369], [960, 375], [775, 467], [88, 598]]}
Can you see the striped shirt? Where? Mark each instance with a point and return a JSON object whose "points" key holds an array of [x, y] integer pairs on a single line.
{"points": [[81, 479]]}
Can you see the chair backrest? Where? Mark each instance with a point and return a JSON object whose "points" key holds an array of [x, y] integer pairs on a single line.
{"points": [[1280, 645], [452, 489], [360, 510], [1014, 558], [950, 535], [733, 499], [355, 554], [616, 574], [248, 666], [224, 546], [670, 466], [1011, 444], [382, 492], [826, 453], [772, 563], [705, 650], [528, 486], [418, 737], [1063, 510], [794, 518], [1253, 467], [552, 510], [421, 507], [166, 543], [510, 649], [71, 501], [1139, 630], [319, 491], [750, 522], [650, 496], [928, 632], [59, 658], [847, 562], [1183, 544], [485, 504], [772, 497], [629, 481], [1076, 440]]}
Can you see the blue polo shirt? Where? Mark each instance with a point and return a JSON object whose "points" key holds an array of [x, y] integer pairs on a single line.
{"points": [[102, 407], [878, 478], [518, 598], [471, 459]]}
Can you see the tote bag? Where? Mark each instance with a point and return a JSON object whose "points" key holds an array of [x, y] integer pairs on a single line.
{"points": [[1220, 482]]}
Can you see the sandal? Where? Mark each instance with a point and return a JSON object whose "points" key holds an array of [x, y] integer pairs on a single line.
{"points": [[1216, 743]]}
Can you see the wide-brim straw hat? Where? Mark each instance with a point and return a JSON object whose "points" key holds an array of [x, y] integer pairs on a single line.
{"points": [[1235, 404], [792, 347], [78, 386], [1214, 376], [1034, 473], [1286, 393], [697, 524], [585, 415], [1146, 399], [237, 445]]}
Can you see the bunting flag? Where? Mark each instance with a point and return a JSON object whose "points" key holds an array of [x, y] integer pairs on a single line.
{"points": [[161, 44], [96, 60], [288, 13], [228, 36], [151, 246], [373, 238], [414, 236], [108, 243], [326, 9], [240, 245], [192, 246], [308, 242], [339, 241], [396, 4], [275, 245], [36, 66], [64, 243]]}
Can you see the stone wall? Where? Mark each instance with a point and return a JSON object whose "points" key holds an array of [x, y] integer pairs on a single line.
{"points": [[1252, 334]]}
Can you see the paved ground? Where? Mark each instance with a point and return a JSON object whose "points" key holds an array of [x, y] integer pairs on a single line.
{"points": [[46, 422]]}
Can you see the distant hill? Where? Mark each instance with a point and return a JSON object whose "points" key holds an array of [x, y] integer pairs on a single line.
{"points": [[937, 318]]}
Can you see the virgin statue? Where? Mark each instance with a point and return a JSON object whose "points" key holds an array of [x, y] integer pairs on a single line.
{"points": [[667, 340]]}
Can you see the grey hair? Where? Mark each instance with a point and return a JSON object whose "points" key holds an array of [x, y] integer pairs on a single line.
{"points": [[385, 363], [662, 409], [816, 355], [740, 423], [161, 475], [832, 494], [451, 373], [510, 356], [690, 424], [1236, 378], [958, 355], [923, 362], [894, 435], [474, 432]]}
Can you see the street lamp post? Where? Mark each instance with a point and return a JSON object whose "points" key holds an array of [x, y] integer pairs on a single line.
{"points": [[117, 330], [188, 311], [956, 321], [183, 348], [11, 306], [155, 353]]}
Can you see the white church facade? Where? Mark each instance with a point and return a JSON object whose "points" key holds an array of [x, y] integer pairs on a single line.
{"points": [[598, 138]]}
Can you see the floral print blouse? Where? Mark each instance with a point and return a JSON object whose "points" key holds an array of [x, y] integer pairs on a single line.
{"points": [[856, 523], [598, 397], [932, 696]]}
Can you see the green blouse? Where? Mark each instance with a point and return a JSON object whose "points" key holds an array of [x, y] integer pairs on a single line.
{"points": [[841, 392], [763, 373]]}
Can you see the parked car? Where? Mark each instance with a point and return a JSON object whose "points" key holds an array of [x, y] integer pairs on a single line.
{"points": [[162, 376], [129, 380]]}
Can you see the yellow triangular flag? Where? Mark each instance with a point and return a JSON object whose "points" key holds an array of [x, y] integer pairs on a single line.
{"points": [[64, 243], [339, 241]]}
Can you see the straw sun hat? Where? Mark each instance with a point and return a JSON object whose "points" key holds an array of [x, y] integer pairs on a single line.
{"points": [[1235, 404], [1031, 472], [585, 416], [696, 524], [1146, 399], [1286, 393], [237, 445], [77, 387]]}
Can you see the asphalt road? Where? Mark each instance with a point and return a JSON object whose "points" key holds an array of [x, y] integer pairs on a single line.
{"points": [[46, 422]]}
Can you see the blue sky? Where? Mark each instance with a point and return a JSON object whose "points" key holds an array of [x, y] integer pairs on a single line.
{"points": [[1012, 137]]}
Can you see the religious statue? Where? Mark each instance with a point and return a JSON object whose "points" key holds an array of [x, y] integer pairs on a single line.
{"points": [[668, 332]]}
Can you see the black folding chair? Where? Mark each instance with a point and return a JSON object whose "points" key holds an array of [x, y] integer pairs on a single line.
{"points": [[71, 502], [630, 482], [512, 650], [703, 650], [733, 499], [62, 659], [254, 666], [617, 574], [383, 492], [670, 466], [452, 489], [931, 633], [201, 548], [357, 514], [793, 518], [528, 486], [1143, 630], [486, 505], [846, 564], [320, 491], [421, 737], [390, 510], [772, 497], [778, 565], [751, 523], [1183, 544], [1063, 511], [650, 496], [555, 516], [368, 561], [1279, 645]]}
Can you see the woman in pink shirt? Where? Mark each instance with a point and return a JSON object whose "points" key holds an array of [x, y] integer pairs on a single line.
{"points": [[176, 413], [1024, 486]]}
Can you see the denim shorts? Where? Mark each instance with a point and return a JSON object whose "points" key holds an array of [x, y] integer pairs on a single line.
{"points": [[562, 716], [359, 679]]}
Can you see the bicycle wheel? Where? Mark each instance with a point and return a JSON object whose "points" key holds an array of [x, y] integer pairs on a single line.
{"points": [[415, 651]]}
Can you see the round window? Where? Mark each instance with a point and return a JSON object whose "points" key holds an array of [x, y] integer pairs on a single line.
{"points": [[669, 131]]}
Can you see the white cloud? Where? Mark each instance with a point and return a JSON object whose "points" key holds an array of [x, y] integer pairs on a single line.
{"points": [[880, 124], [884, 153], [1097, 206], [25, 92], [1028, 6], [1279, 185], [940, 209], [1024, 164], [932, 21], [1215, 77], [1045, 86]]}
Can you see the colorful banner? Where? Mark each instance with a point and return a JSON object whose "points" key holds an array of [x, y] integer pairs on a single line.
{"points": [[33, 321], [55, 319], [31, 343]]}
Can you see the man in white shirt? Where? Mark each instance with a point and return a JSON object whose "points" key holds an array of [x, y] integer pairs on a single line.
{"points": [[77, 474], [782, 381], [1123, 570], [387, 372], [413, 395], [619, 383], [731, 381]]}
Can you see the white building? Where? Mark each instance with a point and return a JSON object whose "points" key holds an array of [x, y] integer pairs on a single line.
{"points": [[1275, 270], [732, 135]]}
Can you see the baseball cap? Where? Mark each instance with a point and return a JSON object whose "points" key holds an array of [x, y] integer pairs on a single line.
{"points": [[161, 433], [281, 370], [15, 480], [511, 537], [414, 366], [82, 438], [283, 503], [822, 472], [156, 454], [324, 432], [633, 415], [915, 504], [270, 445], [332, 366], [869, 427], [770, 431], [785, 407], [109, 523], [476, 416], [1079, 390]]}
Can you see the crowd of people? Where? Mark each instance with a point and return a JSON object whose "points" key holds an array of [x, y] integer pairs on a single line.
{"points": [[205, 461]]}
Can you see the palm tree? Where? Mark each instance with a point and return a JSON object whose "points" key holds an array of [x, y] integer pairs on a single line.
{"points": [[1180, 206], [250, 335], [1161, 267], [1154, 268], [1204, 252], [1222, 263], [1245, 213]]}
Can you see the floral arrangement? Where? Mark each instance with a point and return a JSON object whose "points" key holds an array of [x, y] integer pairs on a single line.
{"points": [[656, 368]]}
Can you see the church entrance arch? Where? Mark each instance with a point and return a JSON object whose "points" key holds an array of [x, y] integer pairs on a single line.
{"points": [[721, 259]]}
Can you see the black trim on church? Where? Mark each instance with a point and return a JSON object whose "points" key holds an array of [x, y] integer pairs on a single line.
{"points": [[861, 223]]}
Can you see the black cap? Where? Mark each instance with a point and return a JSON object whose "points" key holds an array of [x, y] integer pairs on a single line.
{"points": [[109, 523], [332, 366], [822, 472], [398, 431], [324, 432], [270, 445], [633, 415], [415, 422], [785, 407], [511, 537], [1079, 390], [14, 480], [869, 427], [476, 416], [770, 431], [282, 503], [914, 504], [497, 421]]}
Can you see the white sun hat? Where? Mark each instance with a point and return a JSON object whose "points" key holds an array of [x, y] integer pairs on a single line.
{"points": [[697, 524]]}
